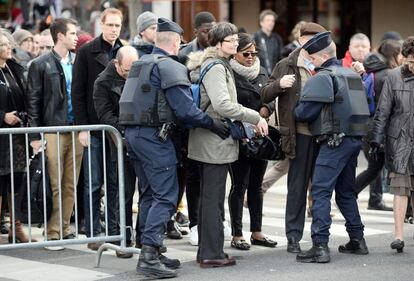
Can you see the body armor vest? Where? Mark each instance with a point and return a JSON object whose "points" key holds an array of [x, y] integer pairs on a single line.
{"points": [[345, 108], [142, 103]]}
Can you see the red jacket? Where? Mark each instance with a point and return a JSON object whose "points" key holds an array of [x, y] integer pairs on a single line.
{"points": [[347, 60]]}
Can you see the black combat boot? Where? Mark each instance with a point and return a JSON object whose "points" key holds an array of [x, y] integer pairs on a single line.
{"points": [[318, 253], [170, 263], [150, 265], [354, 246]]}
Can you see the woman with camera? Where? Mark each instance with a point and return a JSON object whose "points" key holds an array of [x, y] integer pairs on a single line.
{"points": [[12, 114], [247, 173]]}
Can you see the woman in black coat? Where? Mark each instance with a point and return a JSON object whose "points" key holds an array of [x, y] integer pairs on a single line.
{"points": [[377, 64], [393, 130], [247, 173], [12, 114]]}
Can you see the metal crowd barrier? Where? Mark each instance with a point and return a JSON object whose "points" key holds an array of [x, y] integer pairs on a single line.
{"points": [[116, 137]]}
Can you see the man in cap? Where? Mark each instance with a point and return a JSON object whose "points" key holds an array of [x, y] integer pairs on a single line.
{"points": [[203, 22], [156, 94], [334, 103], [24, 40], [286, 83], [146, 27]]}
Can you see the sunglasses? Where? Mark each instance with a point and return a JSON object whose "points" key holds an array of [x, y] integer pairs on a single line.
{"points": [[247, 54]]}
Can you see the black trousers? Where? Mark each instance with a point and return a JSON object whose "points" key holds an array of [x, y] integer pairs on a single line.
{"points": [[19, 194], [192, 190], [130, 181], [371, 176], [210, 225], [247, 174], [299, 175]]}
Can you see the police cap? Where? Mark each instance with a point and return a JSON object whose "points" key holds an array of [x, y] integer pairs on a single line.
{"points": [[318, 42], [165, 25]]}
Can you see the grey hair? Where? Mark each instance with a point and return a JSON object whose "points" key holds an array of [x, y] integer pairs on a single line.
{"points": [[6, 33], [359, 37], [46, 32], [163, 38]]}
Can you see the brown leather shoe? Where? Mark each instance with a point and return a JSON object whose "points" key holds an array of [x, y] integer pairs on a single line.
{"points": [[95, 246], [21, 236], [228, 261]]}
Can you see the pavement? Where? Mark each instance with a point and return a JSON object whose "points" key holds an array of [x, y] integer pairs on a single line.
{"points": [[76, 262]]}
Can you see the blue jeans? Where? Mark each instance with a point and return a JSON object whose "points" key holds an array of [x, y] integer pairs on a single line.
{"points": [[97, 181]]}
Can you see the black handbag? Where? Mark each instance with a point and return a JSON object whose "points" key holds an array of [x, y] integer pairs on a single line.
{"points": [[264, 147], [38, 193]]}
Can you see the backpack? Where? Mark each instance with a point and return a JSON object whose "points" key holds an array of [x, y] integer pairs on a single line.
{"points": [[195, 87], [38, 193], [368, 80]]}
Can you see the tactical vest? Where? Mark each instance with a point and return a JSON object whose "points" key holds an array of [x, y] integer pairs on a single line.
{"points": [[345, 108], [142, 103]]}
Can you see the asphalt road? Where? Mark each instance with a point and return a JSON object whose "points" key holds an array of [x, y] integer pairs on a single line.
{"points": [[77, 262]]}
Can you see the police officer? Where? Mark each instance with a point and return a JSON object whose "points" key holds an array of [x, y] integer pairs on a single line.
{"points": [[156, 94], [334, 103]]}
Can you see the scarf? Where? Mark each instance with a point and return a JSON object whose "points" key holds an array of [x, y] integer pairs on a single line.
{"points": [[249, 72]]}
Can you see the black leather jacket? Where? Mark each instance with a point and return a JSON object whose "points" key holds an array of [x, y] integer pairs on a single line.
{"points": [[47, 101], [394, 119]]}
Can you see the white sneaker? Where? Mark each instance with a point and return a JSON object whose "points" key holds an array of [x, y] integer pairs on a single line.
{"points": [[227, 231], [54, 248], [194, 236]]}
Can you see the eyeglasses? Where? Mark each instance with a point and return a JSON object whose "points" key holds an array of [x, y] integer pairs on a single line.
{"points": [[30, 39], [232, 40], [112, 25], [247, 54], [46, 47]]}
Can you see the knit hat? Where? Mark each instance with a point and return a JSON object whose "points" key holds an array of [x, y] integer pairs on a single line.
{"points": [[20, 35], [145, 20], [391, 35], [83, 39], [311, 28], [202, 18]]}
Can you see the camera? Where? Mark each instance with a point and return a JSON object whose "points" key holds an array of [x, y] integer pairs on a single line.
{"points": [[22, 116]]}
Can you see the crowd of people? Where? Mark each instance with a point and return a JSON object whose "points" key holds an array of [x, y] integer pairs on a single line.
{"points": [[326, 109]]}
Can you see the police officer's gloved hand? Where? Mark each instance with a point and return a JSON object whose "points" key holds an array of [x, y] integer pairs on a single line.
{"points": [[220, 128], [374, 151]]}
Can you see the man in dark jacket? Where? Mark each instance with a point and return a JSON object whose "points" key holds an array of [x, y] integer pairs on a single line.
{"points": [[203, 22], [286, 83], [268, 42], [107, 92], [147, 27], [49, 104], [92, 58]]}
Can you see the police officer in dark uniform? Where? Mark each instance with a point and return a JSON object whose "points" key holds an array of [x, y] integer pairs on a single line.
{"points": [[334, 103], [155, 96]]}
